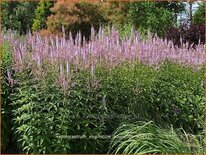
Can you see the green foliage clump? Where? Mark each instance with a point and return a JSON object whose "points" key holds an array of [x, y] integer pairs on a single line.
{"points": [[6, 66], [177, 97], [147, 138], [46, 116], [39, 116], [91, 106], [6, 56], [41, 13]]}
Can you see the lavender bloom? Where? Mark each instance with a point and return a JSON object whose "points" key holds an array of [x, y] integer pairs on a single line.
{"points": [[10, 80], [103, 49]]}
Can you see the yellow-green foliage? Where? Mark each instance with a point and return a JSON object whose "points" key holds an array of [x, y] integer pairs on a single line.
{"points": [[41, 13]]}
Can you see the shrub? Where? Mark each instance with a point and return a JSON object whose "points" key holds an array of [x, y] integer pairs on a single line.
{"points": [[193, 35], [147, 138]]}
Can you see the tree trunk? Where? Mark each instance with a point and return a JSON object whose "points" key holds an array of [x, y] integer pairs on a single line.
{"points": [[190, 11]]}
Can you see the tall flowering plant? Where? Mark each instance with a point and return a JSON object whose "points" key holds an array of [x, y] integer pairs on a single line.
{"points": [[103, 49]]}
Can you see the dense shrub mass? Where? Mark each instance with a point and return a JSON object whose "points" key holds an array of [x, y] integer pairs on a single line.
{"points": [[193, 35], [69, 87], [179, 101]]}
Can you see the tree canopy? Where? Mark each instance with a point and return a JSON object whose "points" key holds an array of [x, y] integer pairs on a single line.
{"points": [[18, 15], [199, 15]]}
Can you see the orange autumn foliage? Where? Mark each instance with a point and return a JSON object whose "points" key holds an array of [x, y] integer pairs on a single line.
{"points": [[82, 15]]}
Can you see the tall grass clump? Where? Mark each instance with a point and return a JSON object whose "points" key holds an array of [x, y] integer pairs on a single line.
{"points": [[147, 138], [68, 92]]}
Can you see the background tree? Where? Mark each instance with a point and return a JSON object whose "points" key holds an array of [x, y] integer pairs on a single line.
{"points": [[187, 31], [147, 16], [190, 10], [175, 7], [18, 15], [76, 17], [199, 15], [41, 13], [116, 12]]}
